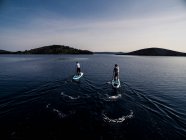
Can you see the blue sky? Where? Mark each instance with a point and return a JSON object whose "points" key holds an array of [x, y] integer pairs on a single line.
{"points": [[96, 25]]}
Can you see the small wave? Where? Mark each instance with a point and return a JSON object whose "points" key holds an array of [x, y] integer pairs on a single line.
{"points": [[118, 120], [112, 98], [71, 59], [82, 58], [108, 82], [115, 96], [48, 105], [60, 114], [70, 97]]}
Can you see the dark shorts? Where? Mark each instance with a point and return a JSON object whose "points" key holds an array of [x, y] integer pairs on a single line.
{"points": [[116, 74], [78, 70]]}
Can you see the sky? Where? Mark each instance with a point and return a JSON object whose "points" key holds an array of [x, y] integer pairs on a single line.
{"points": [[95, 25]]}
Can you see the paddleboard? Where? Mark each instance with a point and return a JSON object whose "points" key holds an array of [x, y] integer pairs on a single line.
{"points": [[116, 83], [77, 77]]}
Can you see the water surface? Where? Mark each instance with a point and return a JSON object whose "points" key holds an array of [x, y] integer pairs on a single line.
{"points": [[39, 99]]}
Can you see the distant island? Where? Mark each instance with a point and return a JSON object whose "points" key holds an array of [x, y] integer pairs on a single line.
{"points": [[61, 49], [5, 52], [52, 49], [154, 52]]}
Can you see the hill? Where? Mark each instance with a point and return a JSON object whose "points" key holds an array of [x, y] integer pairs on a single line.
{"points": [[57, 49], [154, 52], [5, 52], [52, 49]]}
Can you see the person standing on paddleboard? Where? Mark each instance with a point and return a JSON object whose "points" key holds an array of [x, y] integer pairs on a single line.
{"points": [[78, 70], [116, 72]]}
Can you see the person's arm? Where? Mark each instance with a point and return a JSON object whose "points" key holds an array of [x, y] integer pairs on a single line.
{"points": [[118, 72], [76, 68], [113, 74]]}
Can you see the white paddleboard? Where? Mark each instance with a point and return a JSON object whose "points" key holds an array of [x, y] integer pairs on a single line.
{"points": [[116, 83], [77, 77]]}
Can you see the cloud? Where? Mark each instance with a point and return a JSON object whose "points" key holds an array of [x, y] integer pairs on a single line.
{"points": [[96, 34]]}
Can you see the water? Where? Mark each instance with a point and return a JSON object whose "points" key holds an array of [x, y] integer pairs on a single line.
{"points": [[39, 99]]}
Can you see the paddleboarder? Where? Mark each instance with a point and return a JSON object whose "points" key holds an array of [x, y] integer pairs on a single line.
{"points": [[78, 69], [116, 72]]}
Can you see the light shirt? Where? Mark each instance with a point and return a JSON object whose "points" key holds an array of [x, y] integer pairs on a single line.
{"points": [[78, 65], [116, 69]]}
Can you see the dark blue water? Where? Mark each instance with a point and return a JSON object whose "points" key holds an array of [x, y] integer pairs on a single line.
{"points": [[39, 99]]}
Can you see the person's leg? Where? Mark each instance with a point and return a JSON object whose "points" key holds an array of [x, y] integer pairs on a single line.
{"points": [[117, 76], [78, 71]]}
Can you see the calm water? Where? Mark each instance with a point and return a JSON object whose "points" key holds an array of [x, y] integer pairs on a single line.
{"points": [[38, 98]]}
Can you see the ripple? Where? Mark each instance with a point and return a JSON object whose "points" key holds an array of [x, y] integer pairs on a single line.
{"points": [[112, 97], [70, 97], [71, 59], [59, 112], [120, 119]]}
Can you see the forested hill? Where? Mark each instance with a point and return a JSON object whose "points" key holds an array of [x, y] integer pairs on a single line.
{"points": [[4, 52], [155, 52], [57, 49], [52, 49]]}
